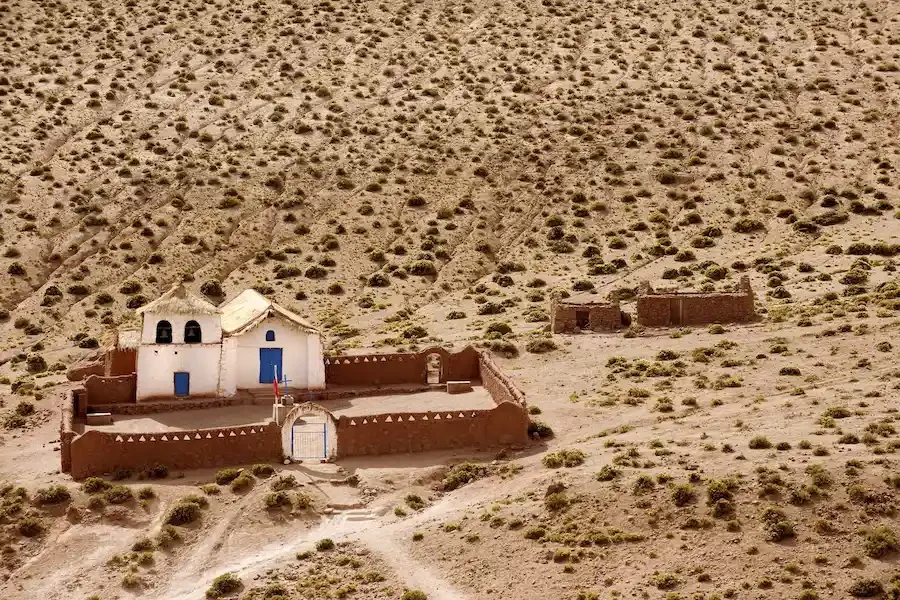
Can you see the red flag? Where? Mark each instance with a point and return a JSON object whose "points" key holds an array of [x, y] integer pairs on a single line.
{"points": [[275, 381]]}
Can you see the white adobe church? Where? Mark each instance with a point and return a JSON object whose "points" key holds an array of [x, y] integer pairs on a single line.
{"points": [[187, 346]]}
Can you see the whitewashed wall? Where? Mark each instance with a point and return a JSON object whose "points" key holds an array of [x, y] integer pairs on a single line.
{"points": [[229, 370], [301, 355], [158, 363], [210, 327]]}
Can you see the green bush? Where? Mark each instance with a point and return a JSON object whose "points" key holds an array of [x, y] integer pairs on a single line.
{"points": [[540, 428], [414, 595], [93, 485], [29, 526], [118, 494], [607, 473], [55, 494], [683, 494], [226, 476], [540, 346], [183, 513], [461, 474], [262, 470], [325, 544], [242, 482], [566, 458], [224, 584], [284, 482], [277, 499]]}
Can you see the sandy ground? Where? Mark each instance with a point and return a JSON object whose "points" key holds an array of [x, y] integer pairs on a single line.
{"points": [[235, 416]]}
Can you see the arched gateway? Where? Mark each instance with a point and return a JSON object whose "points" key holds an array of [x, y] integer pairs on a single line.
{"points": [[308, 432]]}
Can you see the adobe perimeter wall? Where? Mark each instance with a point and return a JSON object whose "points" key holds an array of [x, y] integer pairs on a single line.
{"points": [[675, 309], [498, 384], [395, 433], [389, 369], [95, 453], [110, 390], [66, 431], [81, 371], [119, 362]]}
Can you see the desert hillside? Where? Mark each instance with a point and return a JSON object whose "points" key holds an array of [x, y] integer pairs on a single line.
{"points": [[408, 173]]}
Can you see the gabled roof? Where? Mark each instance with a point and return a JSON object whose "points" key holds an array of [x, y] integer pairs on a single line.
{"points": [[250, 307], [180, 301]]}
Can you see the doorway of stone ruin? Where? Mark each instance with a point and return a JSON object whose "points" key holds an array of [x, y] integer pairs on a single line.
{"points": [[433, 362], [582, 319]]}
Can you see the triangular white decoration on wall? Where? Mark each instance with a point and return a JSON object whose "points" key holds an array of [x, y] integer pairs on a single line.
{"points": [[437, 417], [383, 359], [411, 418], [197, 436], [425, 417], [474, 415], [130, 439], [365, 421], [243, 432], [152, 439], [142, 439], [400, 419], [389, 419], [374, 419], [163, 439], [119, 438], [232, 434], [221, 435], [462, 416], [252, 430], [208, 436], [352, 422], [365, 359], [175, 438], [449, 416]]}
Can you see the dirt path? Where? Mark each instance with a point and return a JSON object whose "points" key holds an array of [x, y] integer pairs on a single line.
{"points": [[387, 538]]}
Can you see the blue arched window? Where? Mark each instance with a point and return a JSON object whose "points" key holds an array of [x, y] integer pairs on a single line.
{"points": [[270, 336]]}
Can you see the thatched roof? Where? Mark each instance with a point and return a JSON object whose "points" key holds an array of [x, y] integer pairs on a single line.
{"points": [[179, 301], [250, 307]]}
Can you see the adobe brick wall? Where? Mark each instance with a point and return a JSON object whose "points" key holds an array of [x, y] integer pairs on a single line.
{"points": [[499, 386], [656, 309], [110, 390], [95, 453], [66, 431], [395, 433], [119, 362], [389, 369], [601, 317], [80, 371]]}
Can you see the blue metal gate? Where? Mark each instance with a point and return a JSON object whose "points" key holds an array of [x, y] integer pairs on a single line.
{"points": [[309, 441]]}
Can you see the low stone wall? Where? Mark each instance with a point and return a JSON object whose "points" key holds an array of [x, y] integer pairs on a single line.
{"points": [[389, 369], [506, 424], [97, 453], [110, 390]]}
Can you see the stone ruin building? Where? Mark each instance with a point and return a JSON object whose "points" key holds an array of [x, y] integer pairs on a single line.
{"points": [[670, 308], [586, 312]]}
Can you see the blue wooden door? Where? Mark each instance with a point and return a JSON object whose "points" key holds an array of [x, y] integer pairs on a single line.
{"points": [[182, 384], [269, 364]]}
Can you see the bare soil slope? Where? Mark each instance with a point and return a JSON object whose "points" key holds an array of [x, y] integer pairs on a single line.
{"points": [[407, 173]]}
